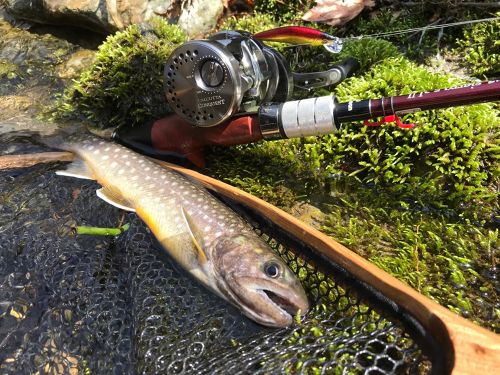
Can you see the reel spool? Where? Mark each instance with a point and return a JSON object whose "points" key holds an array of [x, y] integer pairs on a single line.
{"points": [[208, 81]]}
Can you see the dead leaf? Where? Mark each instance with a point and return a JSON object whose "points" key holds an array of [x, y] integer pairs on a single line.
{"points": [[75, 193], [336, 12]]}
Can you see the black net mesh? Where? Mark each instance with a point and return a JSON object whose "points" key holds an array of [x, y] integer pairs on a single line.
{"points": [[86, 304]]}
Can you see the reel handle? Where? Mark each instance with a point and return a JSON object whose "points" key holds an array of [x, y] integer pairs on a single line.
{"points": [[347, 67], [332, 76]]}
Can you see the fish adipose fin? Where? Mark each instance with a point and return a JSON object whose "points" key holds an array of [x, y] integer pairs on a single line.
{"points": [[114, 199], [196, 236], [77, 169]]}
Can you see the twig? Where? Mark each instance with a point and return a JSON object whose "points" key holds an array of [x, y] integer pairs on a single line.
{"points": [[96, 231], [28, 160]]}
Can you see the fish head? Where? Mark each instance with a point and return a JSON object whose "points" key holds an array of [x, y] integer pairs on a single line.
{"points": [[258, 281]]}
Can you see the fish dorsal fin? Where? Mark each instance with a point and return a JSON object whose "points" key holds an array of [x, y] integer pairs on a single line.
{"points": [[114, 199], [196, 236], [77, 169]]}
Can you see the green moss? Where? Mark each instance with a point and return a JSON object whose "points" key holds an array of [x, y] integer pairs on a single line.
{"points": [[124, 86], [284, 11], [441, 258], [255, 174], [480, 48], [7, 69], [368, 51], [251, 23], [451, 159]]}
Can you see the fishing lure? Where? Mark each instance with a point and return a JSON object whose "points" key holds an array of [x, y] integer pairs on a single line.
{"points": [[302, 35]]}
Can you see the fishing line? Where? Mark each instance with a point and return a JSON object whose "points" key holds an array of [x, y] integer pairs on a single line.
{"points": [[424, 28], [408, 31]]}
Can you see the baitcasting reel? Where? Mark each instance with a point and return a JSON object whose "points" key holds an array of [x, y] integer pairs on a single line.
{"points": [[232, 89], [232, 72]]}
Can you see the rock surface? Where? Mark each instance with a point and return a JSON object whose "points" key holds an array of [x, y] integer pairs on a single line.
{"points": [[35, 66], [194, 16]]}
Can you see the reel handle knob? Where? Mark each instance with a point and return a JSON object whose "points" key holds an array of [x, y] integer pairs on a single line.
{"points": [[347, 67]]}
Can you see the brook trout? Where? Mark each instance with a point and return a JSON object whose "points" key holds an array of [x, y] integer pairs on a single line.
{"points": [[203, 235]]}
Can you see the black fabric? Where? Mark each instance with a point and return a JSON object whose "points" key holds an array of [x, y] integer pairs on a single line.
{"points": [[100, 305]]}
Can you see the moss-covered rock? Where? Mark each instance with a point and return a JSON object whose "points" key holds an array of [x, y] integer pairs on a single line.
{"points": [[451, 262], [251, 23], [124, 86], [480, 49], [451, 159]]}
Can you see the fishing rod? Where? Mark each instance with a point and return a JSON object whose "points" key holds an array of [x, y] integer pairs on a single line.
{"points": [[233, 89]]}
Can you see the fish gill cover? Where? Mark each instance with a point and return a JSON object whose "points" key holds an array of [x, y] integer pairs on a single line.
{"points": [[118, 305]]}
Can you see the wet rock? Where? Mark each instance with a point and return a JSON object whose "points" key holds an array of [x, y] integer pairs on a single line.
{"points": [[34, 68], [195, 16], [308, 214], [75, 64]]}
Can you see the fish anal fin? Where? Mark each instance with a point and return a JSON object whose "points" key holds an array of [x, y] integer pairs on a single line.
{"points": [[77, 169], [113, 198], [196, 236]]}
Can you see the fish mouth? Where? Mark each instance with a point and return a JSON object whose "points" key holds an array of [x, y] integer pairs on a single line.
{"points": [[284, 304], [268, 303]]}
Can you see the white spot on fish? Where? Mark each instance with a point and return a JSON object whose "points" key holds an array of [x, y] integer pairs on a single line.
{"points": [[127, 163], [106, 149], [147, 169], [124, 156], [91, 147], [96, 152], [207, 228], [218, 234], [148, 178], [117, 149], [105, 157], [135, 177], [114, 164], [121, 171]]}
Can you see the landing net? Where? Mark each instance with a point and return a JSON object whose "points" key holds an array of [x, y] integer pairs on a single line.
{"points": [[100, 305]]}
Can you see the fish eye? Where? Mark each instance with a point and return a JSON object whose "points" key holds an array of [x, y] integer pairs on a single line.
{"points": [[272, 269]]}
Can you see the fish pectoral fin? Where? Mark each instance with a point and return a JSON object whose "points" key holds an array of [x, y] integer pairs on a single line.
{"points": [[114, 199], [77, 169], [196, 236]]}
